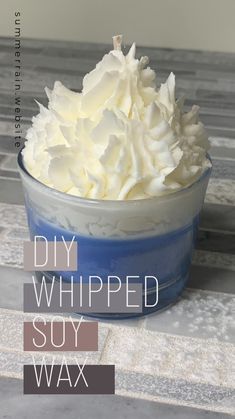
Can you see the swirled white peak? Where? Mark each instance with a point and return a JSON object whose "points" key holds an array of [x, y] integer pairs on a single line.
{"points": [[118, 81], [120, 138]]}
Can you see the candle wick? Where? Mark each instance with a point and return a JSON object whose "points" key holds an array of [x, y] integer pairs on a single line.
{"points": [[117, 42]]}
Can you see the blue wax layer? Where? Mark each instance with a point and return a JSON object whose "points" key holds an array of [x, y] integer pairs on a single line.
{"points": [[167, 257]]}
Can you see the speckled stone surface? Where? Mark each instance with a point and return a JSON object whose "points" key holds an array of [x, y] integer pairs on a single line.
{"points": [[200, 314], [182, 357], [221, 191], [13, 405], [169, 355], [179, 391], [151, 364]]}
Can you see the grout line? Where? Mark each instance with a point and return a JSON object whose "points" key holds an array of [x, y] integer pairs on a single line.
{"points": [[11, 178]]}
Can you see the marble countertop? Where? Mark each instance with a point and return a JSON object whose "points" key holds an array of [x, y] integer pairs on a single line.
{"points": [[178, 363]]}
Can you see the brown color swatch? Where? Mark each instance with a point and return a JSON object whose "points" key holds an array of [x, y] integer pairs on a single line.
{"points": [[59, 336]]}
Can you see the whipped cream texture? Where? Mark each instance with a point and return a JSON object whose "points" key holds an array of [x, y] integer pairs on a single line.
{"points": [[121, 138]]}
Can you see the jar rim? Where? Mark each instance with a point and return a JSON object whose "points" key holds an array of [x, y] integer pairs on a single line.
{"points": [[109, 202]]}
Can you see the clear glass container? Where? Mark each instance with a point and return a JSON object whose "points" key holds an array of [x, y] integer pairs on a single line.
{"points": [[147, 237]]}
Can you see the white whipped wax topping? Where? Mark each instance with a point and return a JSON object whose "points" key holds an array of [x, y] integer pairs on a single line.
{"points": [[120, 138]]}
